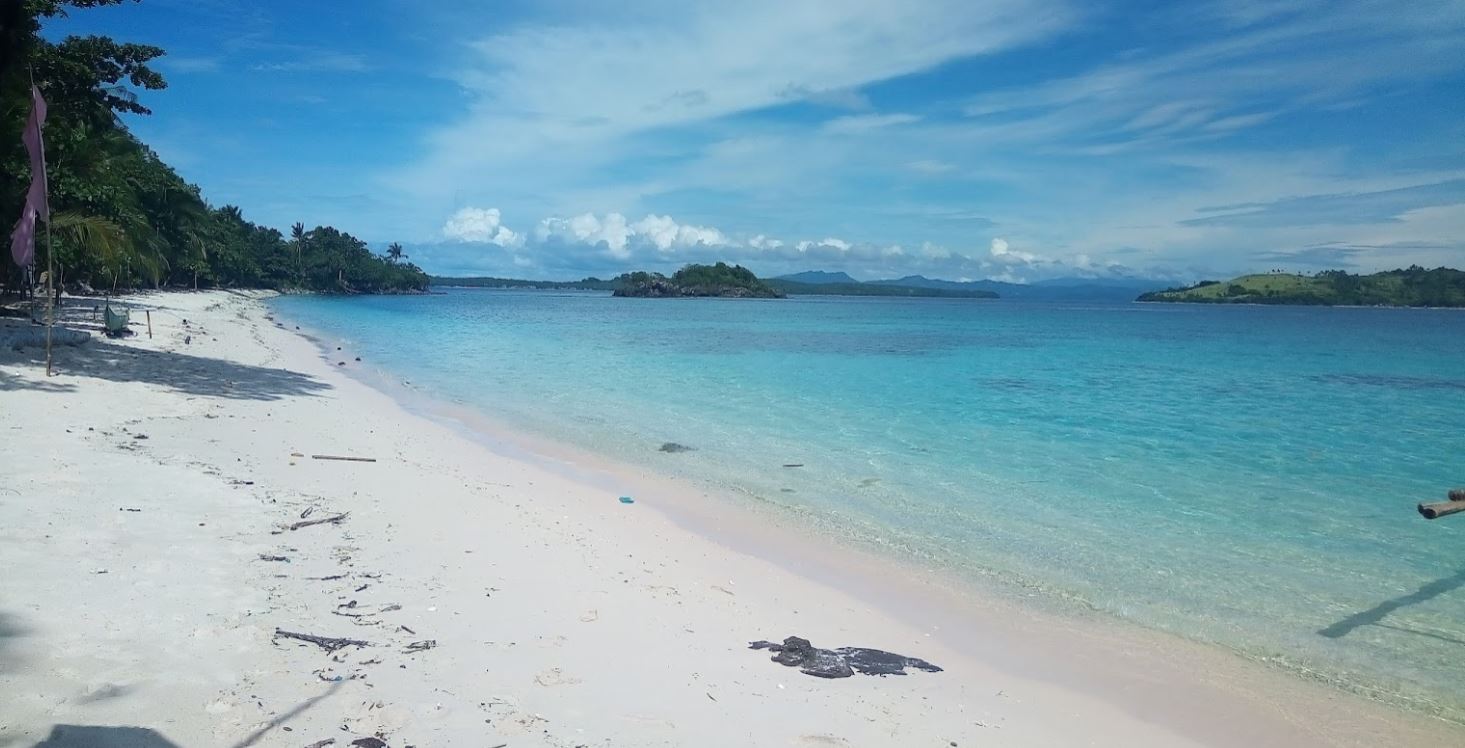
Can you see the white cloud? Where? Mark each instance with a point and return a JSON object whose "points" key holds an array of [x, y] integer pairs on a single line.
{"points": [[831, 242], [1002, 252], [667, 234], [763, 242], [620, 237], [481, 225], [555, 97]]}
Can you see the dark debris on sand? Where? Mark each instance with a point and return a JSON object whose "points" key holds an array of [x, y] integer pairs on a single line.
{"points": [[840, 663]]}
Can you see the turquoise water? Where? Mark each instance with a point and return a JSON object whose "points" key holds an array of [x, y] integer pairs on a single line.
{"points": [[1244, 476]]}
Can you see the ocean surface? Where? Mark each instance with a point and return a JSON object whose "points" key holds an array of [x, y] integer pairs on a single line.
{"points": [[1244, 476]]}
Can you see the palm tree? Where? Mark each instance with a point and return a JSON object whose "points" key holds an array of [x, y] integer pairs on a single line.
{"points": [[394, 252], [297, 236]]}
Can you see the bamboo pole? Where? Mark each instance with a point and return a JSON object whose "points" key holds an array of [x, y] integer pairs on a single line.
{"points": [[1441, 509], [50, 249]]}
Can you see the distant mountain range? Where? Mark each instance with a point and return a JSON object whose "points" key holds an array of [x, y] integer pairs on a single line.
{"points": [[1056, 289]]}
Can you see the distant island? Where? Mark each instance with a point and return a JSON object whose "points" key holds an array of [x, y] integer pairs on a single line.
{"points": [[723, 280], [856, 288], [1410, 287], [720, 280], [1108, 289]]}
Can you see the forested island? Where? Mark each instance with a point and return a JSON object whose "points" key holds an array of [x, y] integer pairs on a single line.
{"points": [[720, 280], [121, 218], [1410, 287]]}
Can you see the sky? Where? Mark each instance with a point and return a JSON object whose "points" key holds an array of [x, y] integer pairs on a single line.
{"points": [[1011, 139]]}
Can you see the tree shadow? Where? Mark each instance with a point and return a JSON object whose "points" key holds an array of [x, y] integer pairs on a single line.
{"points": [[180, 372], [97, 736], [10, 381], [10, 630], [1377, 613]]}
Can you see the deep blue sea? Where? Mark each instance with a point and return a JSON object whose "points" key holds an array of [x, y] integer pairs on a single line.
{"points": [[1240, 475]]}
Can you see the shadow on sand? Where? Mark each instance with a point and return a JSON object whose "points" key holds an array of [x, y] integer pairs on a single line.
{"points": [[10, 630], [180, 372], [1375, 615], [96, 736]]}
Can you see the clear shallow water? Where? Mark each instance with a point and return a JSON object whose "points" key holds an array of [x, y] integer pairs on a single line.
{"points": [[1239, 475]]}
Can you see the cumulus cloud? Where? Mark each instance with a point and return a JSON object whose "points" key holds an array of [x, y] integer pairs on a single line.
{"points": [[607, 244], [620, 237], [666, 234], [480, 225], [831, 242], [1005, 254]]}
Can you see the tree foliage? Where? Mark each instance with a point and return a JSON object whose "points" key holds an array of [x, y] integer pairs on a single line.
{"points": [[1411, 286], [121, 217]]}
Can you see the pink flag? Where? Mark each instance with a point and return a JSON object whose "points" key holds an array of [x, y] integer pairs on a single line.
{"points": [[23, 238], [35, 146]]}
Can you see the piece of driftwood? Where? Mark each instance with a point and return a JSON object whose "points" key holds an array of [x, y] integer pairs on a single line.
{"points": [[421, 646], [343, 458], [1457, 494], [321, 521], [268, 557], [1441, 509], [328, 643]]}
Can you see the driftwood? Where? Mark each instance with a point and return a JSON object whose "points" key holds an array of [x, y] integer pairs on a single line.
{"points": [[421, 646], [1457, 494], [1441, 509], [328, 643], [342, 458], [321, 521]]}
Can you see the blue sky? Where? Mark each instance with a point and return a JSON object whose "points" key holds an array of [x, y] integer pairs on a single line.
{"points": [[1012, 139]]}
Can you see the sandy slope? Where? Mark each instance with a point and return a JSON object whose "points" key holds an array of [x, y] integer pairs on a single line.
{"points": [[140, 487]]}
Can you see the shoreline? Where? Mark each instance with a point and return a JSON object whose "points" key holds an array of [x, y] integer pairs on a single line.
{"points": [[906, 587], [449, 520], [746, 521]]}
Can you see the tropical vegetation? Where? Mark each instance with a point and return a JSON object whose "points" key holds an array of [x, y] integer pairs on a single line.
{"points": [[1412, 286], [121, 217]]}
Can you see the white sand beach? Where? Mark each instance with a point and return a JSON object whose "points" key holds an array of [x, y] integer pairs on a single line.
{"points": [[145, 567]]}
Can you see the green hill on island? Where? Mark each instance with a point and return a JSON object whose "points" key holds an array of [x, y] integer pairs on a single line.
{"points": [[720, 280], [1413, 286]]}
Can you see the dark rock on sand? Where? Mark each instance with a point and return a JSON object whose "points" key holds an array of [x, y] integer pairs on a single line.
{"points": [[673, 448], [840, 663]]}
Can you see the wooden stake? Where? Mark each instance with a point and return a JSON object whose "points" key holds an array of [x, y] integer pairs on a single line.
{"points": [[1441, 509], [149, 313]]}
